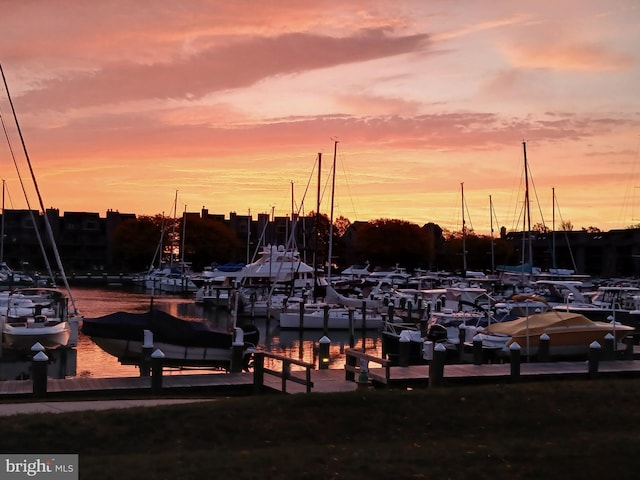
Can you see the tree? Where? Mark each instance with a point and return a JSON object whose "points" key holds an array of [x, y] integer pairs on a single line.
{"points": [[386, 242], [540, 228], [341, 225], [566, 226], [591, 229], [135, 241], [210, 241]]}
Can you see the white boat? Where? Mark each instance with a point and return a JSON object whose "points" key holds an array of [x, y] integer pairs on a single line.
{"points": [[36, 315], [216, 292], [619, 303], [274, 265], [169, 280], [33, 314], [10, 278], [338, 318], [569, 333]]}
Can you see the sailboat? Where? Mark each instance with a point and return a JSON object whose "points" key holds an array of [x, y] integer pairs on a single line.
{"points": [[526, 269], [169, 278], [38, 315]]}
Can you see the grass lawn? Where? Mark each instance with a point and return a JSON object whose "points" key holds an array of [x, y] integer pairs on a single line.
{"points": [[543, 430]]}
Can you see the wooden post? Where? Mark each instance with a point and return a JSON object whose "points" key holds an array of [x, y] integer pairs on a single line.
{"points": [[147, 348], [39, 372], [258, 372], [323, 358], [301, 323], [237, 351], [157, 359], [628, 351], [436, 366], [410, 311], [609, 347], [462, 336], [351, 330], [351, 361], [286, 371], [594, 359], [405, 349], [544, 349], [515, 357], [326, 320], [364, 319], [477, 350]]}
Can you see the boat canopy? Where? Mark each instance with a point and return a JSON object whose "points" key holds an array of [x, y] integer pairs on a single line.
{"points": [[538, 323]]}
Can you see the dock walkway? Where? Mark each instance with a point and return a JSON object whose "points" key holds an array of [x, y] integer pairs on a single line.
{"points": [[324, 381]]}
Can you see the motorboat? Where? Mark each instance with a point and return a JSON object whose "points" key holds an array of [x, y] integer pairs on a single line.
{"points": [[619, 303], [338, 318], [10, 278], [125, 335], [216, 292], [275, 264], [169, 280], [569, 333], [36, 315]]}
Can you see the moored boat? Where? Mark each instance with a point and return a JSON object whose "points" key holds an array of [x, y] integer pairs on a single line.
{"points": [[569, 333], [337, 318], [182, 341], [36, 315]]}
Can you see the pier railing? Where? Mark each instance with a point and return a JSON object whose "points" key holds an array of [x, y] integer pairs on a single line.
{"points": [[259, 371], [357, 362]]}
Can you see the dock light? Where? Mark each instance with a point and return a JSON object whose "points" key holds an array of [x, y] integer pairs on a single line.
{"points": [[324, 342]]}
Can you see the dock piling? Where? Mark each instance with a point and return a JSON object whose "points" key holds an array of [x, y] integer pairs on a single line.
{"points": [[477, 350], [157, 359], [594, 359], [544, 348], [39, 371], [609, 347], [323, 357], [436, 366], [515, 357]]}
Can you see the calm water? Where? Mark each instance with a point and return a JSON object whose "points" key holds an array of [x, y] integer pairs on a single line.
{"points": [[92, 361]]}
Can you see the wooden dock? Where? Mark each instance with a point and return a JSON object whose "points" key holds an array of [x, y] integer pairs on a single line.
{"points": [[323, 381]]}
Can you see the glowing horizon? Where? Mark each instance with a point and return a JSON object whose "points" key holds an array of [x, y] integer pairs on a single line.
{"points": [[121, 104]]}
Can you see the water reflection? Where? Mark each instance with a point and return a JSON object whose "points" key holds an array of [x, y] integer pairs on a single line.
{"points": [[94, 362]]}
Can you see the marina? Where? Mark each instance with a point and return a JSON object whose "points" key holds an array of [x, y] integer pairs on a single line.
{"points": [[289, 362], [93, 362], [308, 358]]}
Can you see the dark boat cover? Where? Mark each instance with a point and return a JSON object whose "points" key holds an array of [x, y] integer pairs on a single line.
{"points": [[165, 327]]}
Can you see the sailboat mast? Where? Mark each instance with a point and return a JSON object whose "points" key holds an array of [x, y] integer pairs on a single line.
{"points": [[493, 261], [526, 200], [553, 227], [184, 237], [173, 230], [317, 229], [37, 189], [333, 190], [248, 234], [464, 234]]}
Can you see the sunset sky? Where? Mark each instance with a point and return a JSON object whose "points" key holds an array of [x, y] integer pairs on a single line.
{"points": [[123, 103]]}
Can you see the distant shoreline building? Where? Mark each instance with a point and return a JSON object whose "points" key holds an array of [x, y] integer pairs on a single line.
{"points": [[84, 241]]}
